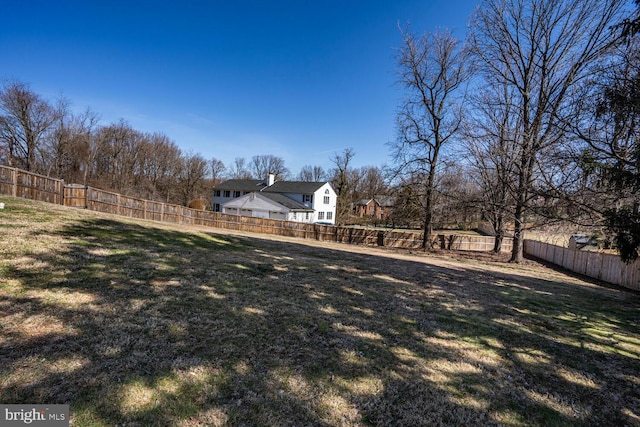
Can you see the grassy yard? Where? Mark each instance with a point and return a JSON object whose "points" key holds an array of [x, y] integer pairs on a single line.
{"points": [[139, 324]]}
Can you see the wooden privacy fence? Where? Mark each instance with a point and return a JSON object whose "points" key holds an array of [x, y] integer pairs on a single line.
{"points": [[19, 183], [28, 185], [606, 267]]}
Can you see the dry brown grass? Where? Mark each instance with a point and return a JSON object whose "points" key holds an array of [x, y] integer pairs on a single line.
{"points": [[136, 323]]}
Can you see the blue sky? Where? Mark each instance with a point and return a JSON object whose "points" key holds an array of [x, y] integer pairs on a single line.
{"points": [[301, 80]]}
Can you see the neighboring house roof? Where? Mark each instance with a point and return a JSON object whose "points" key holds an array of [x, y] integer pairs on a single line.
{"points": [[241, 185], [386, 201], [257, 200], [293, 187]]}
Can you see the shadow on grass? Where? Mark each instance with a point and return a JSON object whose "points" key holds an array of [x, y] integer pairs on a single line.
{"points": [[146, 326]]}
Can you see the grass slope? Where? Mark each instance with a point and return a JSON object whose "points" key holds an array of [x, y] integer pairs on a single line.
{"points": [[139, 323]]}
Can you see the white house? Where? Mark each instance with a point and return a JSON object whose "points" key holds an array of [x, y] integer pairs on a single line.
{"points": [[288, 200]]}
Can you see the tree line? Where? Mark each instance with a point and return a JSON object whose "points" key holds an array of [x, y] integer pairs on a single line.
{"points": [[539, 106], [46, 137]]}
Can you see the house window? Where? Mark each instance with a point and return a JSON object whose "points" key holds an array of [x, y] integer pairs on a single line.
{"points": [[216, 193], [307, 198], [320, 215], [295, 216], [372, 208], [306, 215], [326, 200], [329, 215], [227, 193], [326, 191], [216, 207], [236, 194]]}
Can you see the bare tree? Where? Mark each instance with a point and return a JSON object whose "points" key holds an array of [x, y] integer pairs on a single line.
{"points": [[70, 145], [540, 49], [408, 210], [310, 173], [371, 183], [216, 170], [490, 131], [432, 69], [57, 154], [162, 166], [239, 170], [192, 172], [25, 119], [344, 181], [456, 195], [265, 164], [116, 161]]}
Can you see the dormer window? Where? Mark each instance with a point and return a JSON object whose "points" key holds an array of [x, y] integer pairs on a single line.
{"points": [[307, 198]]}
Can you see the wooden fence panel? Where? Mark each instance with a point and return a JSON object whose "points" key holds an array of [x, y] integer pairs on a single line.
{"points": [[630, 275], [581, 261], [28, 185], [606, 267], [102, 201], [608, 271], [132, 207], [403, 239], [567, 259], [154, 211], [8, 181]]}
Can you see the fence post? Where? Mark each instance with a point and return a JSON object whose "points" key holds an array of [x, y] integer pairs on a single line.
{"points": [[118, 210], [14, 182], [61, 191]]}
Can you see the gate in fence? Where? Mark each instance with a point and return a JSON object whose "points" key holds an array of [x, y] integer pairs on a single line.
{"points": [[75, 195]]}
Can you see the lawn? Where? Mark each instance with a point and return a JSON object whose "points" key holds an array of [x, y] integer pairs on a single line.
{"points": [[139, 323]]}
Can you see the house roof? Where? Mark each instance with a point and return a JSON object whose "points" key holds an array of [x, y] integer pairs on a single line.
{"points": [[241, 185], [258, 200], [294, 187], [385, 201], [255, 201], [249, 185], [286, 201]]}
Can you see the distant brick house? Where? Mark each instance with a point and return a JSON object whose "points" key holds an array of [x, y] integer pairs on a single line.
{"points": [[379, 207]]}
